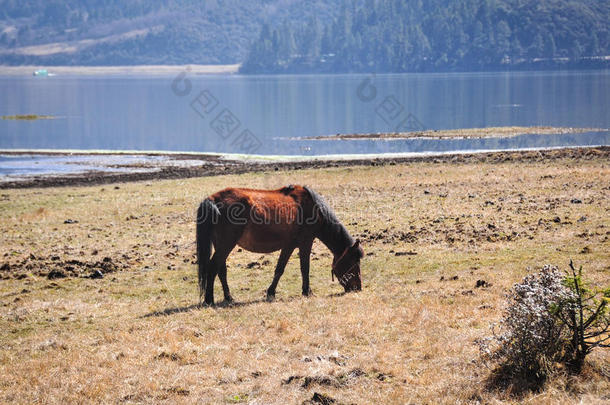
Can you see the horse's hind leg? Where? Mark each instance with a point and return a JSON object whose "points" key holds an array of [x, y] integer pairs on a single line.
{"points": [[222, 275], [225, 241], [219, 266], [211, 276]]}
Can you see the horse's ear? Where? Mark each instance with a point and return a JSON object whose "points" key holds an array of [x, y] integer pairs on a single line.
{"points": [[357, 247]]}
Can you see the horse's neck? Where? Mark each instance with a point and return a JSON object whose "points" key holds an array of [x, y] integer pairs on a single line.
{"points": [[335, 237]]}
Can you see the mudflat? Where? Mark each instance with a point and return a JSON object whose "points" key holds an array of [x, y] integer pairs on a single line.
{"points": [[200, 165]]}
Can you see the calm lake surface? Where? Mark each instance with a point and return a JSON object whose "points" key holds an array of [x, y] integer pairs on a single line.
{"points": [[264, 114]]}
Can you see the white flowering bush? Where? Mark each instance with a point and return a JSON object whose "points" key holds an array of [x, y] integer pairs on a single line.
{"points": [[550, 319], [529, 338]]}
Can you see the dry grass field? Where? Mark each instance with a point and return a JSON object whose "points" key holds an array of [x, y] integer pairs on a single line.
{"points": [[429, 231]]}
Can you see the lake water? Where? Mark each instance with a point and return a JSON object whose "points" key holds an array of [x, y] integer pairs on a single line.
{"points": [[264, 114]]}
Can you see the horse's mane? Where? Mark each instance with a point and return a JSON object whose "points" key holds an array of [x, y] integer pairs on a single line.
{"points": [[332, 233]]}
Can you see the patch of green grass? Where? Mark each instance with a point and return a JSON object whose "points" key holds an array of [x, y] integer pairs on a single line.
{"points": [[238, 398]]}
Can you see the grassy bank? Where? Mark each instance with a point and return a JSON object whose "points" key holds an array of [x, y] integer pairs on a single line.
{"points": [[466, 133], [430, 230], [27, 117]]}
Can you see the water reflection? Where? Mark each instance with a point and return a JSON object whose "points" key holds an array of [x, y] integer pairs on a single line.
{"points": [[142, 113]]}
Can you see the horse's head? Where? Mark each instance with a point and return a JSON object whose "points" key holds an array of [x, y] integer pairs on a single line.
{"points": [[347, 267]]}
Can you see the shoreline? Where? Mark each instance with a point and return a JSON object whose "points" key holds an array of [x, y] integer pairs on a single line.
{"points": [[6, 70], [214, 164]]}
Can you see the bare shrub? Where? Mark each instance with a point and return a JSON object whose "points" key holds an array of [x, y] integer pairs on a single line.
{"points": [[586, 316]]}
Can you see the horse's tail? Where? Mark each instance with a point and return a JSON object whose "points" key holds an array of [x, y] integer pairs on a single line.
{"points": [[207, 216]]}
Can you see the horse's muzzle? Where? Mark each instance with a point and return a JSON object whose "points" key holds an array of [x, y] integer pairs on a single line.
{"points": [[352, 287]]}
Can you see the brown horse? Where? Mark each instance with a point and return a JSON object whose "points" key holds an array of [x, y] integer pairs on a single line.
{"points": [[265, 221]]}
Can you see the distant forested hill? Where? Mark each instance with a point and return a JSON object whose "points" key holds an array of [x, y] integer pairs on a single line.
{"points": [[270, 36], [118, 32], [439, 35]]}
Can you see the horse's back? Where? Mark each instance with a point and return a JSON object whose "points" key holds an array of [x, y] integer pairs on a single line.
{"points": [[270, 218], [285, 195]]}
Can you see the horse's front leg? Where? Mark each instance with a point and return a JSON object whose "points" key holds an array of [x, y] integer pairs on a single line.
{"points": [[279, 270], [304, 256]]}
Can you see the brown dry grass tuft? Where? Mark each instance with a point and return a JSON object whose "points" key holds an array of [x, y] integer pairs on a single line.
{"points": [[137, 336]]}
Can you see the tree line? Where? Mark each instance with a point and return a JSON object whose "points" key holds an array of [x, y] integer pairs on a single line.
{"points": [[438, 35]]}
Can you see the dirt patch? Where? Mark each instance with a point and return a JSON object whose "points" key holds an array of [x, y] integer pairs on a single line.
{"points": [[449, 232], [168, 356], [319, 398], [336, 381], [54, 267]]}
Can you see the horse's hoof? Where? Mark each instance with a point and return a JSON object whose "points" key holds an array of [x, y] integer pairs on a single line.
{"points": [[307, 293], [270, 298], [227, 303]]}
